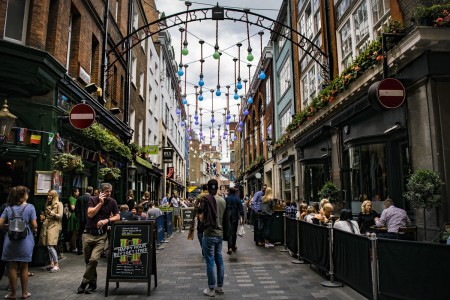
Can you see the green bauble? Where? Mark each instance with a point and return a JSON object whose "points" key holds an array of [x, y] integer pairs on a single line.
{"points": [[185, 51], [216, 55], [250, 56]]}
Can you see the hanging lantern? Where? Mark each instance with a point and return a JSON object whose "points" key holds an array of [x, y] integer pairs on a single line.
{"points": [[228, 117], [184, 101], [236, 96], [239, 85], [200, 97], [218, 92], [196, 123], [241, 123], [239, 129], [246, 112], [178, 111], [180, 71], [185, 50], [250, 100], [212, 120], [196, 116], [227, 122], [182, 123], [262, 75]]}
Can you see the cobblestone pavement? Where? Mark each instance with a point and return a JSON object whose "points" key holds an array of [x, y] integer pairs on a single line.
{"points": [[251, 272]]}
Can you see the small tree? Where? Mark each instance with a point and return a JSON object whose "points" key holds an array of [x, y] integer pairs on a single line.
{"points": [[423, 190], [330, 191]]}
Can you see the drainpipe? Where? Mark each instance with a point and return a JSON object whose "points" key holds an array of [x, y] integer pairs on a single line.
{"points": [[126, 102], [105, 43]]}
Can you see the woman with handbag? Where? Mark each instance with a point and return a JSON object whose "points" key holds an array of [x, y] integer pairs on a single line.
{"points": [[18, 247], [51, 228]]}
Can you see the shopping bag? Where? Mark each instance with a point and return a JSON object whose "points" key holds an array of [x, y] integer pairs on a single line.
{"points": [[241, 231]]}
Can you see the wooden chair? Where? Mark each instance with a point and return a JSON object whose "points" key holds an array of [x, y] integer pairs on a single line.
{"points": [[408, 232]]}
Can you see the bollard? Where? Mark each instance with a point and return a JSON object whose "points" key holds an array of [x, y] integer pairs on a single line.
{"points": [[284, 234], [374, 265], [331, 282]]}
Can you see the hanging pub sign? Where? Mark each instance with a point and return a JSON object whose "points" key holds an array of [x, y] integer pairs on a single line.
{"points": [[167, 154], [170, 173]]}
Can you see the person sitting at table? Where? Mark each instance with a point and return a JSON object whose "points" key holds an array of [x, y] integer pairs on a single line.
{"points": [[310, 214], [393, 218], [325, 214], [346, 223], [366, 217], [301, 213]]}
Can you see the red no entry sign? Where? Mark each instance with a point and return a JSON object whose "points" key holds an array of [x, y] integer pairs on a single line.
{"points": [[391, 93], [81, 116]]}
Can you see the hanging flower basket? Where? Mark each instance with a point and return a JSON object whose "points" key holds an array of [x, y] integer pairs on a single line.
{"points": [[109, 173], [67, 162]]}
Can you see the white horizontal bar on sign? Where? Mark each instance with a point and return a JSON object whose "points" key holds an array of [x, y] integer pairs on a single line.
{"points": [[391, 93], [82, 116]]}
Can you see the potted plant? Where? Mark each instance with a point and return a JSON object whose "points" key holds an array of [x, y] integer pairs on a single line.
{"points": [[423, 191], [109, 173], [68, 162], [330, 191], [435, 15]]}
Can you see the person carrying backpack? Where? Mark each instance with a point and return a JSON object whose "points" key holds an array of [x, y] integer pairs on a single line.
{"points": [[19, 240]]}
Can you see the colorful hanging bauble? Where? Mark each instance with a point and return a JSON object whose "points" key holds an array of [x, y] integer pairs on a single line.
{"points": [[250, 100], [262, 75], [239, 85], [240, 129], [178, 111], [246, 112], [241, 123], [180, 71], [236, 96]]}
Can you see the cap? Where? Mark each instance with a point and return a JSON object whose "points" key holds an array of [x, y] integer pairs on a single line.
{"points": [[213, 185]]}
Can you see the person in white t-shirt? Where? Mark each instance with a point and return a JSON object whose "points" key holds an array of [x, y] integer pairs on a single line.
{"points": [[346, 223]]}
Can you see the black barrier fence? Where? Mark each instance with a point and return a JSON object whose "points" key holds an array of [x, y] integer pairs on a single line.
{"points": [[291, 235], [352, 263], [413, 270], [376, 268], [314, 246], [276, 231]]}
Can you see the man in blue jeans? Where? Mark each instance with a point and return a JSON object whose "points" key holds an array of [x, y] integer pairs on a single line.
{"points": [[211, 212]]}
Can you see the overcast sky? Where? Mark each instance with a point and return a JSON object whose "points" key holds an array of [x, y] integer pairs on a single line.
{"points": [[229, 34]]}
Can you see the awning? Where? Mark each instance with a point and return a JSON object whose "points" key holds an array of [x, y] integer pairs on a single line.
{"points": [[191, 188]]}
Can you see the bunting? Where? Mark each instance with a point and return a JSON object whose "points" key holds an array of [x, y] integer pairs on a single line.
{"points": [[35, 139]]}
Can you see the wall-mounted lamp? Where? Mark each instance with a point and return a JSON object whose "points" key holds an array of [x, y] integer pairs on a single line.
{"points": [[395, 127], [7, 120], [115, 110], [132, 169], [91, 87]]}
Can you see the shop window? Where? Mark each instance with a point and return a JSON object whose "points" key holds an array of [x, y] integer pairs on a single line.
{"points": [[368, 178]]}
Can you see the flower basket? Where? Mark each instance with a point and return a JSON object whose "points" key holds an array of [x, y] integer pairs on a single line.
{"points": [[109, 173], [67, 162]]}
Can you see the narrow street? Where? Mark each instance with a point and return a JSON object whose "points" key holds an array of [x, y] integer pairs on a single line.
{"points": [[251, 272]]}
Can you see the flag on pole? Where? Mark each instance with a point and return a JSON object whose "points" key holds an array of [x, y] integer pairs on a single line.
{"points": [[21, 134], [51, 136], [35, 139]]}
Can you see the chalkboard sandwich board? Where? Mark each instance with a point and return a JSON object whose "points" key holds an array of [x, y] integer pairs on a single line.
{"points": [[133, 253], [187, 215]]}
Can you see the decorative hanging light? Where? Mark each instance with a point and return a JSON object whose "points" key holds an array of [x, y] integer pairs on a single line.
{"points": [[262, 75], [240, 129], [212, 106], [180, 69], [239, 83], [201, 82], [246, 112], [249, 100], [249, 49], [182, 123], [185, 81], [178, 111], [185, 50], [218, 92], [216, 54]]}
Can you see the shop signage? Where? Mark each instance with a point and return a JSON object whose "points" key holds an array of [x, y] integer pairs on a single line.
{"points": [[167, 154], [152, 149], [391, 93], [144, 163], [81, 116]]}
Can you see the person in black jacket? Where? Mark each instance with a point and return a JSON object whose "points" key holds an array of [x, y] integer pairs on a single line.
{"points": [[81, 207], [236, 212]]}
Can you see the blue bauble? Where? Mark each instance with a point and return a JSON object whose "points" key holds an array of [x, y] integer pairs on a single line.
{"points": [[236, 96], [201, 82], [200, 98], [239, 85], [184, 101]]}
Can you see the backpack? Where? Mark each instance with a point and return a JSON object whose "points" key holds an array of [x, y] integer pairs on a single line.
{"points": [[17, 228]]}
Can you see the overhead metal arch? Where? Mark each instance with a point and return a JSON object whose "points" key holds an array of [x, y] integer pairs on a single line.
{"points": [[231, 14]]}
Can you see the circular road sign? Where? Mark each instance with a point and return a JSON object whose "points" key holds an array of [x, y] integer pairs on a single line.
{"points": [[81, 116], [391, 93]]}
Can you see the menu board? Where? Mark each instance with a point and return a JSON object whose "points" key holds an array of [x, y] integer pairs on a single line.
{"points": [[133, 255], [187, 215]]}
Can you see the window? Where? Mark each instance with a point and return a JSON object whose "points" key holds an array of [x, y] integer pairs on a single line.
{"points": [[281, 38], [311, 84], [359, 28], [116, 12], [346, 44], [135, 18], [379, 9], [69, 42], [166, 116], [141, 84], [73, 42], [16, 20], [342, 8], [133, 69], [133, 121], [94, 63], [285, 119], [285, 76], [361, 23], [268, 91], [141, 133]]}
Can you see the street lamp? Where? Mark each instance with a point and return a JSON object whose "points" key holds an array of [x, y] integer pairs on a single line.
{"points": [[7, 120], [132, 169]]}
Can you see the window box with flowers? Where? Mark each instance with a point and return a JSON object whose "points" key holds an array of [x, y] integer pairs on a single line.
{"points": [[109, 173], [436, 15], [67, 162]]}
